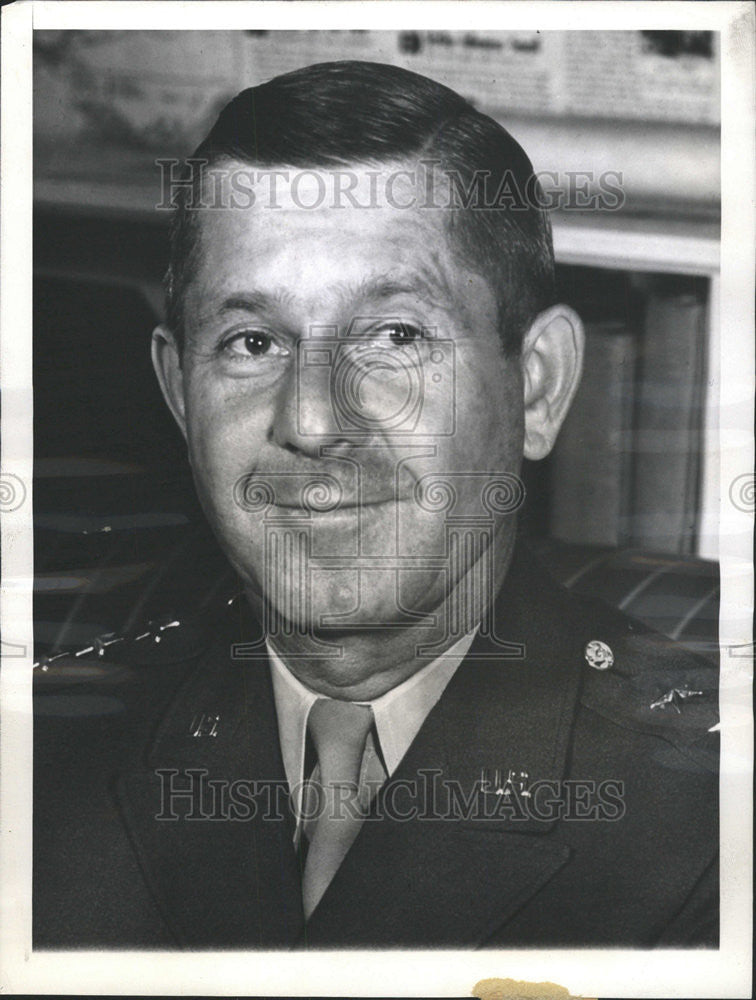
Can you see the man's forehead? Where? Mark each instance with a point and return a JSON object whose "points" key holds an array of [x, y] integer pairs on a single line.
{"points": [[329, 262], [350, 233], [421, 284], [301, 220]]}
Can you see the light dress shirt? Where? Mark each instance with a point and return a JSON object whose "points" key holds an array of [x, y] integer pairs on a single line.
{"points": [[398, 714]]}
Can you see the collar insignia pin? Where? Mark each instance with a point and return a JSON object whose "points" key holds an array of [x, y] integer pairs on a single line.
{"points": [[492, 782], [204, 724], [599, 655]]}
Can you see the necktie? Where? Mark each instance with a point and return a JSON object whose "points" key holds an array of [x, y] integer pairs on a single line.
{"points": [[339, 730]]}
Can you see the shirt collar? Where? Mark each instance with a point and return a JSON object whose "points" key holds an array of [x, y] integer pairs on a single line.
{"points": [[399, 713]]}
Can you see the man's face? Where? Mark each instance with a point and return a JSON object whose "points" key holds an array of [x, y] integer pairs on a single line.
{"points": [[334, 357]]}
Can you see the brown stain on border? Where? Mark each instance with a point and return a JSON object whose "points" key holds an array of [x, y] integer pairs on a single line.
{"points": [[511, 989]]}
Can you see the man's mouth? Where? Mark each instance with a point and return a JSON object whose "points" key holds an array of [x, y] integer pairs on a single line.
{"points": [[352, 504], [292, 493]]}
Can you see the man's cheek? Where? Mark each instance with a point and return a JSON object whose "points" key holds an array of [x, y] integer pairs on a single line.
{"points": [[220, 434], [215, 467]]}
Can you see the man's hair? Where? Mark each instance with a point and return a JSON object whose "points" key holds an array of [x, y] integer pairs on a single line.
{"points": [[359, 113]]}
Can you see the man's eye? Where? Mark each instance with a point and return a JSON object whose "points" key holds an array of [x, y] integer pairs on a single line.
{"points": [[253, 344], [402, 333]]}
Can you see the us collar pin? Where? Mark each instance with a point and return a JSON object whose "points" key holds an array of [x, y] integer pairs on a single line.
{"points": [[493, 783]]}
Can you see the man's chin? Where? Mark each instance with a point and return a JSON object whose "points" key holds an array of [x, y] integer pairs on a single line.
{"points": [[327, 613]]}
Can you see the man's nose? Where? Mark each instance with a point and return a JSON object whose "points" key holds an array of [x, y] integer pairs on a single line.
{"points": [[303, 419]]}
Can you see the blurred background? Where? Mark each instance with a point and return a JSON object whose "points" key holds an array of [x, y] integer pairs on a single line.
{"points": [[624, 126]]}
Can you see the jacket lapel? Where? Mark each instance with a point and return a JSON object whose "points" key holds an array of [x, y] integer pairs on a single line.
{"points": [[456, 879], [224, 871]]}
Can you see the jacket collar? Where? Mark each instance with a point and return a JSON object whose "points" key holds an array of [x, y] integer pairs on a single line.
{"points": [[225, 872], [423, 880]]}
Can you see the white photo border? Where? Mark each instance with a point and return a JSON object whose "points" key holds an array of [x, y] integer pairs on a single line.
{"points": [[587, 972]]}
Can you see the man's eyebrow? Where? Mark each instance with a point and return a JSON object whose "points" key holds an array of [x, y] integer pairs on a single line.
{"points": [[426, 286], [384, 287], [254, 301]]}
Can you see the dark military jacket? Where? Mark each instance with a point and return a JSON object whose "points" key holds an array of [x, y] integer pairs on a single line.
{"points": [[563, 791]]}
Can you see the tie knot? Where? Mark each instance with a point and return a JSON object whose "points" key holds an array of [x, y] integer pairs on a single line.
{"points": [[339, 731]]}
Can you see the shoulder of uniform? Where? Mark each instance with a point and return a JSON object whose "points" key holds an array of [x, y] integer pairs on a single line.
{"points": [[155, 643], [645, 680]]}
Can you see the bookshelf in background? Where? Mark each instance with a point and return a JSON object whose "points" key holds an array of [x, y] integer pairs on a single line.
{"points": [[669, 408], [669, 264], [626, 468], [591, 466]]}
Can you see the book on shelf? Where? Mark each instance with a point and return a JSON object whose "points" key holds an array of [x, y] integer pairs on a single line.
{"points": [[591, 463], [671, 388]]}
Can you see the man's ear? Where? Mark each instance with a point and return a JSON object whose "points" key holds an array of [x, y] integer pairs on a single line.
{"points": [[166, 360], [552, 362]]}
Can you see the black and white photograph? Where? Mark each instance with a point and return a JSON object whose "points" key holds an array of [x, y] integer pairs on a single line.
{"points": [[377, 493]]}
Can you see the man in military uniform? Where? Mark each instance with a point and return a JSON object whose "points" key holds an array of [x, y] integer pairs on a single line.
{"points": [[399, 732]]}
